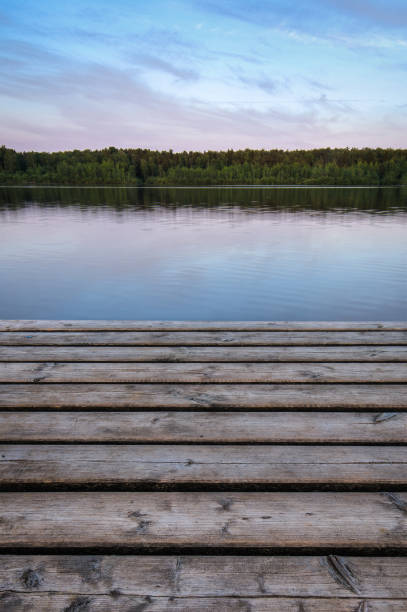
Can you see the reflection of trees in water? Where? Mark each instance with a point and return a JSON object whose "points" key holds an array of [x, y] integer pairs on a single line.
{"points": [[245, 199]]}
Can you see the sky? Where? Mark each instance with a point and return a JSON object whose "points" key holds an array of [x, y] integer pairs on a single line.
{"points": [[203, 74]]}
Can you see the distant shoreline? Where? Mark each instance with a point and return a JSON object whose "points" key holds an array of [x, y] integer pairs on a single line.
{"points": [[247, 186], [245, 168]]}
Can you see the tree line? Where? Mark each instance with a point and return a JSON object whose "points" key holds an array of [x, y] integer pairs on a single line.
{"points": [[142, 167]]}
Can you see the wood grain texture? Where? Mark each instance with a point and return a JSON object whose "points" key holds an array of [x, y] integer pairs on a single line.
{"points": [[103, 325], [205, 338], [350, 577], [381, 397], [203, 353], [204, 369], [196, 427], [54, 602], [203, 373], [141, 465], [265, 520]]}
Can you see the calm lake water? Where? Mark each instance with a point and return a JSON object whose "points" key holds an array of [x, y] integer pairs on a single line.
{"points": [[215, 254]]}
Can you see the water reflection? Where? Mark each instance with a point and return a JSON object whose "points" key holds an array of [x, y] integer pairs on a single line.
{"points": [[248, 198], [218, 253]]}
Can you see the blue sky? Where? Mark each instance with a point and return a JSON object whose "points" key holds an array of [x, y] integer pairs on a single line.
{"points": [[203, 74]]}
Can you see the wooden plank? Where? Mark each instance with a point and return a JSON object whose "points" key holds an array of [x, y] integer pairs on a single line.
{"points": [[203, 373], [52, 602], [256, 520], [379, 397], [103, 325], [203, 353], [349, 578], [138, 465], [202, 338], [216, 427]]}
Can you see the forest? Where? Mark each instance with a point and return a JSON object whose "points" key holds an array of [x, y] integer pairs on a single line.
{"points": [[143, 167]]}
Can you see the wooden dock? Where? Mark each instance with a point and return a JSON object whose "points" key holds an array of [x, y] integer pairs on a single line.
{"points": [[151, 466]]}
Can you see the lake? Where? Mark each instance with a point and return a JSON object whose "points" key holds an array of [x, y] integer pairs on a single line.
{"points": [[241, 253]]}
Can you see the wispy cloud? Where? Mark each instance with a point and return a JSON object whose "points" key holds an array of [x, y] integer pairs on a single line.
{"points": [[377, 12], [4, 19], [156, 63], [269, 15], [28, 51], [110, 107], [315, 84], [352, 23], [285, 74], [265, 83]]}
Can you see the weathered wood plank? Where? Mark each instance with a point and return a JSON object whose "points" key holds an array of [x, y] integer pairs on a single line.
{"points": [[193, 427], [265, 520], [94, 325], [202, 373], [204, 353], [139, 465], [349, 578], [202, 338], [380, 397], [54, 602]]}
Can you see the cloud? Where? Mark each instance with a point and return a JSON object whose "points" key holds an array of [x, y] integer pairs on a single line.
{"points": [[105, 87], [92, 14], [336, 108], [250, 59], [377, 12], [352, 23], [165, 39], [265, 83], [269, 15], [7, 63], [27, 51], [318, 84], [4, 19], [92, 35], [156, 63], [95, 106]]}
